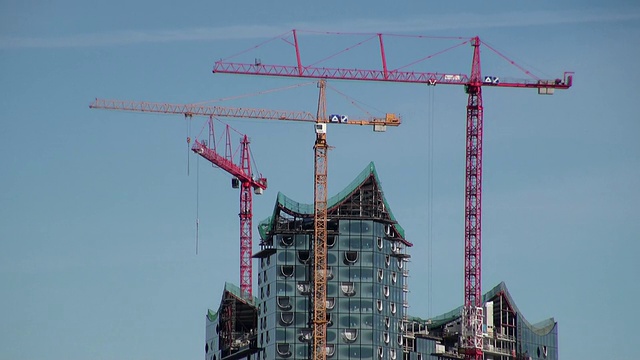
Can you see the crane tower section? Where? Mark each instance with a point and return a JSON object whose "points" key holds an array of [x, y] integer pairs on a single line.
{"points": [[472, 317]]}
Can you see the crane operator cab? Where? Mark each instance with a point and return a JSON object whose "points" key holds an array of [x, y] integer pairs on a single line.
{"points": [[321, 128]]}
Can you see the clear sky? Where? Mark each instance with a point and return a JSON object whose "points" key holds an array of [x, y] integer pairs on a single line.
{"points": [[97, 212]]}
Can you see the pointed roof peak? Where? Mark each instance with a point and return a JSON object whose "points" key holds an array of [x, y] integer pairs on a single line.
{"points": [[293, 207]]}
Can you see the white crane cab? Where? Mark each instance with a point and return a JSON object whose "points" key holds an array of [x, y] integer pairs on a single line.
{"points": [[321, 128]]}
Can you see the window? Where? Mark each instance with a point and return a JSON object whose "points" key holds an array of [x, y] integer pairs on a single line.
{"points": [[331, 303], [303, 256], [304, 288], [330, 350], [286, 318], [400, 340], [286, 240], [283, 350], [284, 302], [387, 322], [348, 288], [329, 273], [305, 335], [379, 241], [387, 260], [392, 306], [380, 274], [287, 270], [331, 241], [350, 257], [385, 291], [350, 335], [380, 352], [392, 354], [379, 305], [400, 264], [394, 277], [385, 337]]}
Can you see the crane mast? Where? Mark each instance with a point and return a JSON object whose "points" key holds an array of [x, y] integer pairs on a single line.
{"points": [[243, 174], [320, 229], [472, 312], [472, 317]]}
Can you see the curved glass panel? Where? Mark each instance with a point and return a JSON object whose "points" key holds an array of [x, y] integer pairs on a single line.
{"points": [[331, 303], [331, 241], [286, 318], [303, 256], [348, 288], [283, 350], [284, 302], [304, 288], [330, 350], [350, 335], [305, 335], [350, 257], [286, 270], [286, 240]]}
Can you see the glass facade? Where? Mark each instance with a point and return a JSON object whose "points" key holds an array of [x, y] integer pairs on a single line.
{"points": [[366, 294]]}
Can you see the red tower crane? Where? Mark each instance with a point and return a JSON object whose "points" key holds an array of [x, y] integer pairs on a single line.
{"points": [[472, 317], [242, 172]]}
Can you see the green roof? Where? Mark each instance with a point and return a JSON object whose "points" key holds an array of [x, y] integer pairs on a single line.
{"points": [[540, 328], [235, 290], [308, 209], [212, 315]]}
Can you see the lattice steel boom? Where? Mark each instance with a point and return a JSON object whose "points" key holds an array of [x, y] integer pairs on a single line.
{"points": [[243, 171], [471, 339]]}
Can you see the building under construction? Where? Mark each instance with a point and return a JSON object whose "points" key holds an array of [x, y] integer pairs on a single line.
{"points": [[367, 285]]}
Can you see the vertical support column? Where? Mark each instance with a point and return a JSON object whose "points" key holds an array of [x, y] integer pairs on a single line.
{"points": [[472, 318], [319, 300], [246, 205]]}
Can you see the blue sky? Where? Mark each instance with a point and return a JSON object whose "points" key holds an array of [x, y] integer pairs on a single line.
{"points": [[97, 215]]}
